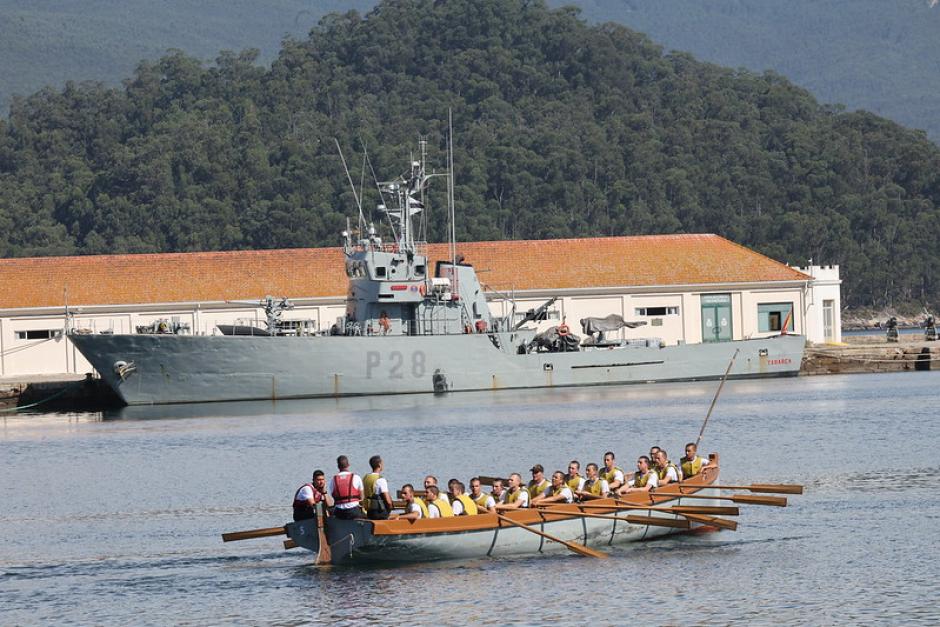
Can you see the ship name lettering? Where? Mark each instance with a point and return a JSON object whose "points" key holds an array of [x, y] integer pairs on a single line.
{"points": [[396, 363]]}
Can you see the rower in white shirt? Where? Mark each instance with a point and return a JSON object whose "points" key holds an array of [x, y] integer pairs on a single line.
{"points": [[557, 492], [644, 480]]}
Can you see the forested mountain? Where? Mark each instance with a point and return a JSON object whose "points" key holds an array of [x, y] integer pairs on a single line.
{"points": [[562, 129]]}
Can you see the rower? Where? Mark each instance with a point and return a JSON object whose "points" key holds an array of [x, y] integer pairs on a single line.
{"points": [[346, 489], [654, 456], [462, 504], [611, 473], [485, 502], [517, 497], [644, 480], [692, 464], [594, 484], [438, 507], [309, 494], [539, 483], [558, 492], [574, 479], [429, 481], [415, 509], [377, 501], [499, 491], [666, 471]]}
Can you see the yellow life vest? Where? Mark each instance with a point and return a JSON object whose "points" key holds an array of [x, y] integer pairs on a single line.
{"points": [[535, 489], [574, 483], [559, 489], [640, 482], [368, 485], [424, 507], [444, 507], [512, 497], [691, 468], [662, 470], [593, 486], [481, 501], [469, 506], [609, 476]]}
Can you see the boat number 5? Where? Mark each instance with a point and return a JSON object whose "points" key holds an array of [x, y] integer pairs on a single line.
{"points": [[395, 364]]}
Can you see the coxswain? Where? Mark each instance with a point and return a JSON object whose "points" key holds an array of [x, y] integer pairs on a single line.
{"points": [[485, 502], [309, 494], [438, 507], [462, 504], [539, 483], [384, 322], [594, 484], [644, 480], [346, 489], [498, 491], [517, 497], [691, 464], [376, 498], [557, 492], [612, 474], [666, 471], [574, 479], [414, 510]]}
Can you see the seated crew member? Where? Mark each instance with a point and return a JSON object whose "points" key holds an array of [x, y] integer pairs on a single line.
{"points": [[666, 471], [438, 507], [539, 482], [593, 484], [429, 481], [654, 450], [557, 492], [346, 489], [376, 498], [499, 491], [517, 497], [692, 464], [485, 502], [574, 479], [309, 494], [612, 474], [415, 509], [462, 504], [644, 480]]}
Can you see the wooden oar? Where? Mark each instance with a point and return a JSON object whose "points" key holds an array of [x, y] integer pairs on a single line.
{"points": [[577, 548], [636, 520], [713, 521], [324, 554], [253, 533], [708, 510], [774, 488], [750, 499]]}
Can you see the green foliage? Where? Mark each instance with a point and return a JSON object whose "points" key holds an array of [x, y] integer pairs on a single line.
{"points": [[562, 130]]}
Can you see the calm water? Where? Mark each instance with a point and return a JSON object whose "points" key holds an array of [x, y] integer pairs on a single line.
{"points": [[116, 518]]}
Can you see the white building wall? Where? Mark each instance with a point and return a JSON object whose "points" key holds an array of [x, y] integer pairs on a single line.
{"points": [[826, 290]]}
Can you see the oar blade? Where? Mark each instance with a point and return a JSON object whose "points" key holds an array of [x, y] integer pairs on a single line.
{"points": [[253, 533], [776, 488], [708, 510], [721, 523], [752, 499], [652, 521]]}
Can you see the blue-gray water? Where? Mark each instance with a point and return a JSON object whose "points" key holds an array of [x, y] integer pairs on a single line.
{"points": [[116, 519]]}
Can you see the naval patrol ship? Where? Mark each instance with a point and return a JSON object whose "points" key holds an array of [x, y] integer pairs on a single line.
{"points": [[410, 328]]}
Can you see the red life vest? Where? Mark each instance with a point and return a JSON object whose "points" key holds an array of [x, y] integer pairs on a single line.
{"points": [[344, 492]]}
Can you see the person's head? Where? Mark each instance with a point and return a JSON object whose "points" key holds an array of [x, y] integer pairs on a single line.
{"points": [[342, 462], [558, 478], [538, 473], [376, 463], [609, 460], [515, 480], [429, 481], [691, 450], [319, 480], [452, 486], [643, 464], [574, 467], [591, 470], [653, 451], [662, 457], [408, 492], [498, 487], [433, 492], [458, 488], [476, 488]]}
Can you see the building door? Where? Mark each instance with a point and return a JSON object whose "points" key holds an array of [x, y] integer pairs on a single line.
{"points": [[829, 320], [716, 318]]}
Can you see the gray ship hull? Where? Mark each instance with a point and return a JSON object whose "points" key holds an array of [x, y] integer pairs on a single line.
{"points": [[158, 369]]}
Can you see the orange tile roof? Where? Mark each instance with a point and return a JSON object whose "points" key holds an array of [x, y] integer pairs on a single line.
{"points": [[318, 272]]}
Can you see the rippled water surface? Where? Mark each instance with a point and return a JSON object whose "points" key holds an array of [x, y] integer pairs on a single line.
{"points": [[116, 518]]}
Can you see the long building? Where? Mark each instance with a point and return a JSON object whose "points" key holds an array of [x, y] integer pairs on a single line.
{"points": [[686, 288]]}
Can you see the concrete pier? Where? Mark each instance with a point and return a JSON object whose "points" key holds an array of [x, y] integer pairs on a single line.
{"points": [[64, 392], [872, 354]]}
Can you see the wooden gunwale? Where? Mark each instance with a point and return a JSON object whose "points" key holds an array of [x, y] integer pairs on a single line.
{"points": [[485, 522]]}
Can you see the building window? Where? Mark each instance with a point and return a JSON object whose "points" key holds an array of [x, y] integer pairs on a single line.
{"points": [[657, 311], [772, 316], [38, 334]]}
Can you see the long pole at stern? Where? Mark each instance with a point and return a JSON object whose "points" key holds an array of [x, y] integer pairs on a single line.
{"points": [[715, 399]]}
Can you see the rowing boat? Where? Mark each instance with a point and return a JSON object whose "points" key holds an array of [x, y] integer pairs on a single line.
{"points": [[485, 535]]}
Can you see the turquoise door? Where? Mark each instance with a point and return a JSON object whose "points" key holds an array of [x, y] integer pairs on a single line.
{"points": [[716, 318]]}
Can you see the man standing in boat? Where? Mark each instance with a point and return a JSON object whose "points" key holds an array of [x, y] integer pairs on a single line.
{"points": [[594, 485], [485, 502], [346, 489], [539, 483], [611, 473], [517, 497], [644, 480], [378, 501], [309, 494], [692, 464]]}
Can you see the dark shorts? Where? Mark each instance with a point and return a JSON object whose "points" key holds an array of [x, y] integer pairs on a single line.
{"points": [[353, 513]]}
